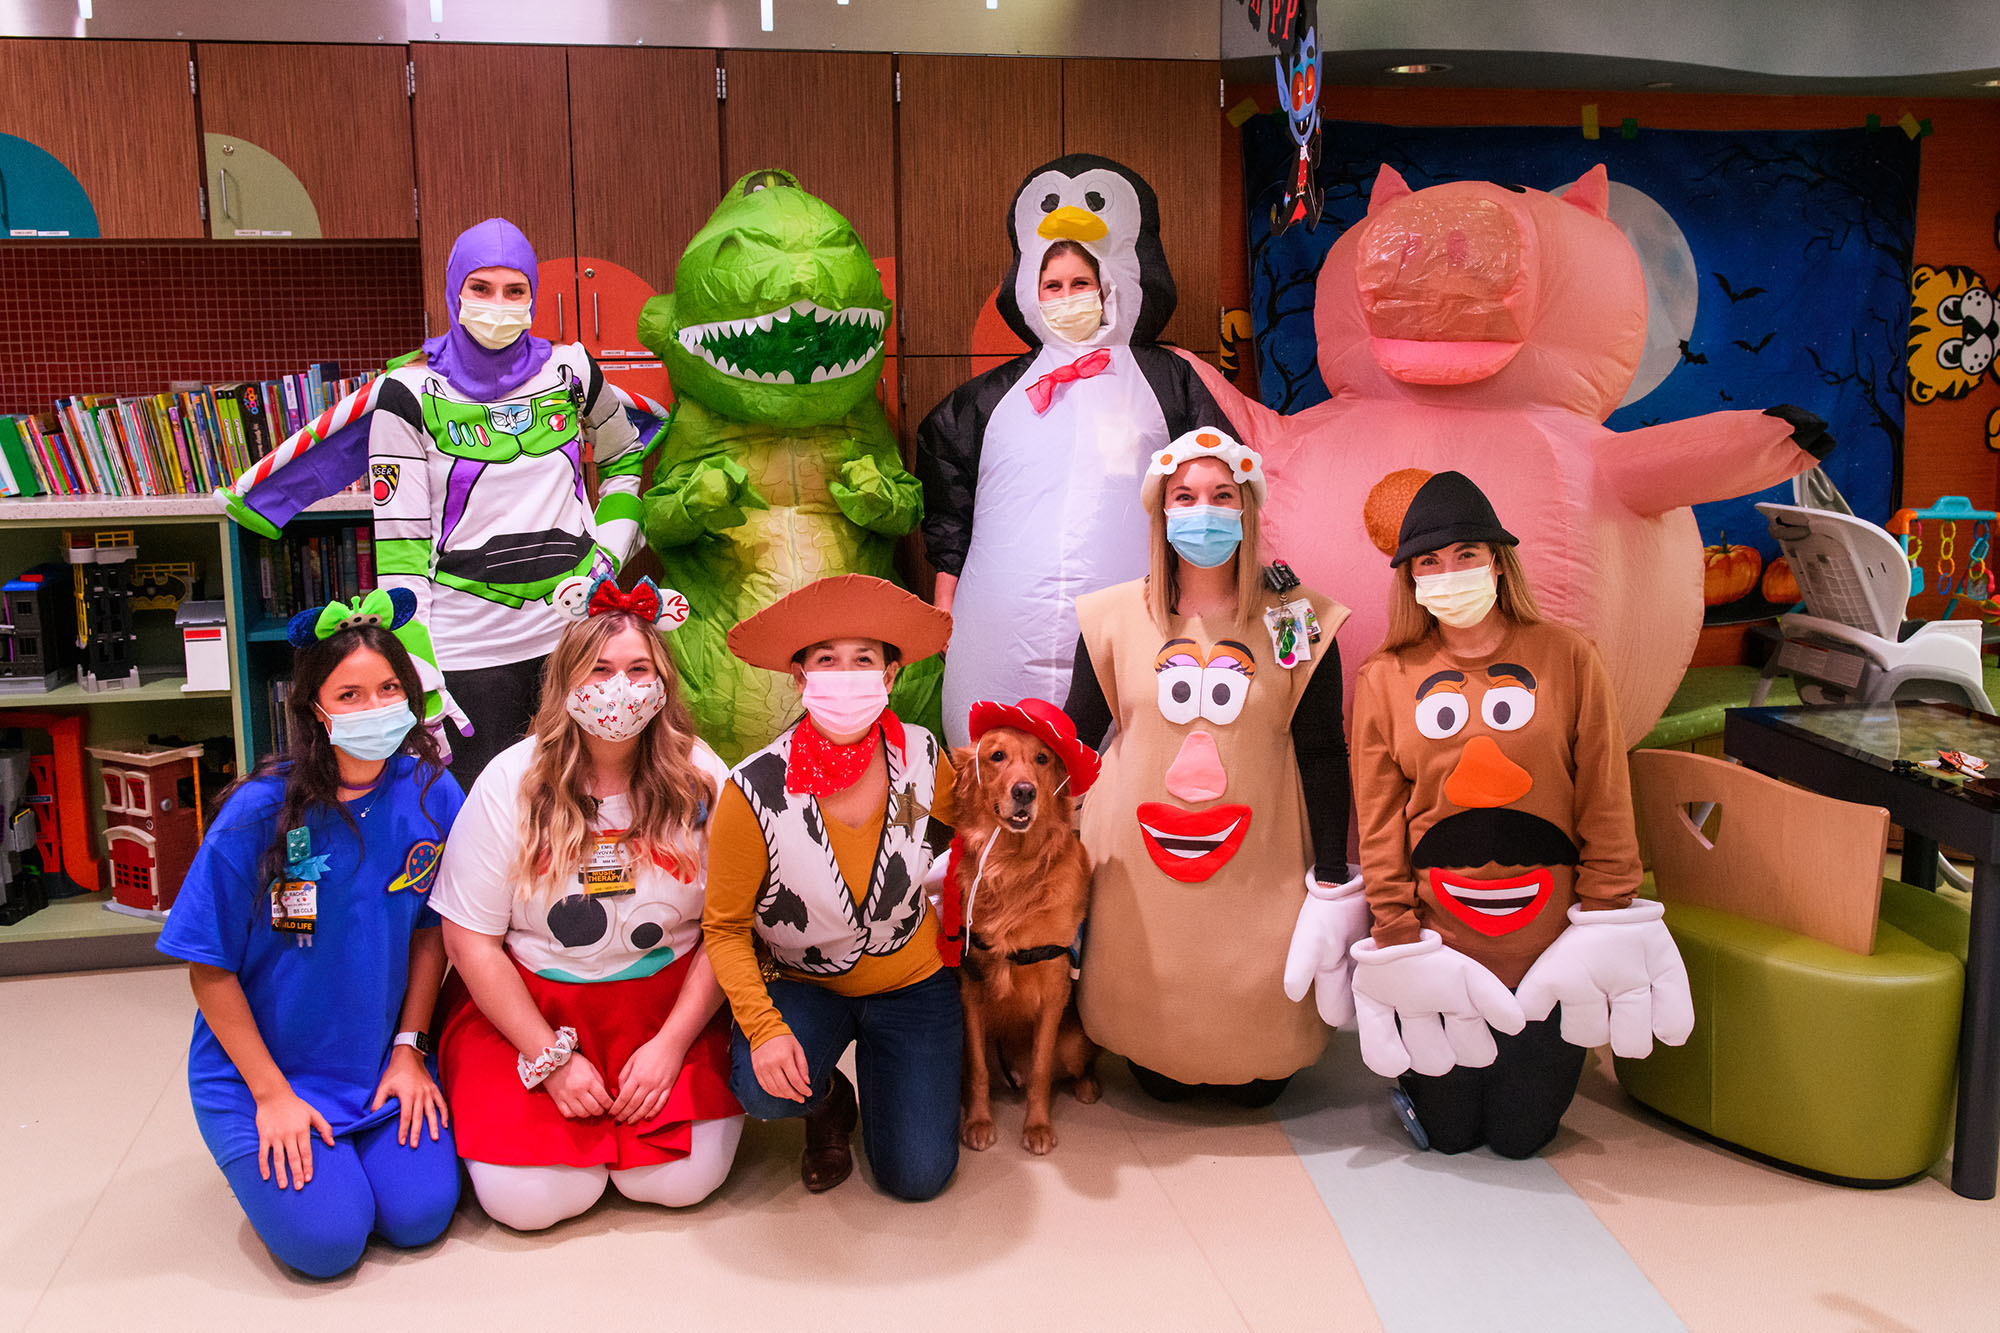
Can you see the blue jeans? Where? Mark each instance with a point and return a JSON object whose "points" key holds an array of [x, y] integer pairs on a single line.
{"points": [[909, 1047], [367, 1183]]}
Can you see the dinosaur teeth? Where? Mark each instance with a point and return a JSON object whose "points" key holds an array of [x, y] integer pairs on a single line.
{"points": [[821, 316], [820, 375], [785, 377], [764, 323]]}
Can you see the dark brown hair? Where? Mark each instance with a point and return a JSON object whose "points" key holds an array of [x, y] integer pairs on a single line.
{"points": [[310, 770]]}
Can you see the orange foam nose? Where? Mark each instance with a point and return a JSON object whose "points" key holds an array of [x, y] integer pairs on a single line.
{"points": [[1485, 777]]}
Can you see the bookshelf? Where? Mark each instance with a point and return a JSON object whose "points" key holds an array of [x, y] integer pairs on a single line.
{"points": [[76, 933]]}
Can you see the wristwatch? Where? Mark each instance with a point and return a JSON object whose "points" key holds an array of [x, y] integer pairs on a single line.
{"points": [[421, 1041]]}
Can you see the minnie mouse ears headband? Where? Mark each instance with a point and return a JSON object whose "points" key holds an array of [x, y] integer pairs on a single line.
{"points": [[390, 608], [1246, 465], [582, 597]]}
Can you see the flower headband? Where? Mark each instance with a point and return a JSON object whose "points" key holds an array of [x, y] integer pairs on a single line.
{"points": [[581, 597], [390, 608]]}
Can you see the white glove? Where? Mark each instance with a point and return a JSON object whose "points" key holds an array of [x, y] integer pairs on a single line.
{"points": [[1618, 977], [1445, 1004], [1331, 919]]}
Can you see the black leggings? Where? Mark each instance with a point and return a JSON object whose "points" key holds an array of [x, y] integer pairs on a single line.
{"points": [[501, 702], [1513, 1105]]}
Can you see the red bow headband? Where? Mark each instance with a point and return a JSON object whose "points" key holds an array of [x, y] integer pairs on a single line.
{"points": [[582, 597]]}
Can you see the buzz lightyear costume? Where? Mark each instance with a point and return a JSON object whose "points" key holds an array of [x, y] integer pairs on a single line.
{"points": [[475, 460]]}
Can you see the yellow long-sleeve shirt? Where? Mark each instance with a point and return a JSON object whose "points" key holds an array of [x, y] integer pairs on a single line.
{"points": [[738, 865]]}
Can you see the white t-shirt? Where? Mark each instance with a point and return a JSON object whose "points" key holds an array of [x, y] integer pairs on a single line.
{"points": [[629, 921]]}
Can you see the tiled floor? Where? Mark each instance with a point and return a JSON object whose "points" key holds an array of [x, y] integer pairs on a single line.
{"points": [[1146, 1217]]}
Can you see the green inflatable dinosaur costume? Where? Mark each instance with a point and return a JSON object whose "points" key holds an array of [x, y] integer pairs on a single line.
{"points": [[778, 467]]}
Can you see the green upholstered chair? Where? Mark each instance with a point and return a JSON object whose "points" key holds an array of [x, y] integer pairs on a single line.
{"points": [[1826, 998]]}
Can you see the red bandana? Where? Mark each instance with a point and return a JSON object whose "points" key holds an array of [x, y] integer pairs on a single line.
{"points": [[1088, 366], [817, 766]]}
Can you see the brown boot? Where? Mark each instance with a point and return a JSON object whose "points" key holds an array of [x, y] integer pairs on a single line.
{"points": [[829, 1158]]}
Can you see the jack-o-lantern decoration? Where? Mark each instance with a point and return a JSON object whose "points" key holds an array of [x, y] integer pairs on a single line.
{"points": [[1728, 572], [1781, 586]]}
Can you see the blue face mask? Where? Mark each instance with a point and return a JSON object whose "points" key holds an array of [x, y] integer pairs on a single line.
{"points": [[1205, 535], [372, 734]]}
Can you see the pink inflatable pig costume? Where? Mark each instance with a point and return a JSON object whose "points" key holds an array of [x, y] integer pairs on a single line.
{"points": [[1491, 330]]}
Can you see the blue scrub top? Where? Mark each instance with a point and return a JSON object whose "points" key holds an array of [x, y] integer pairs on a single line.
{"points": [[327, 1013]]}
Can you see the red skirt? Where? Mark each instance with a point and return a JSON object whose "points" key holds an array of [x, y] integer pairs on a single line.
{"points": [[495, 1119]]}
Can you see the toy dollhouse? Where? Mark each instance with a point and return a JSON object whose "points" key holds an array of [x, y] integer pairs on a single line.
{"points": [[153, 823], [37, 627], [103, 568]]}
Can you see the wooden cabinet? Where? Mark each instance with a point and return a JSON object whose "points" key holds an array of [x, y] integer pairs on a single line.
{"points": [[492, 140], [283, 102], [1160, 118], [826, 117], [645, 141], [971, 129], [119, 117]]}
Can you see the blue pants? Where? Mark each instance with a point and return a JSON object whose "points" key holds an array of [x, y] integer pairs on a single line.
{"points": [[367, 1183], [908, 1049]]}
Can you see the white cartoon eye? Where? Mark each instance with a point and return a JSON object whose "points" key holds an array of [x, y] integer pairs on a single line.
{"points": [[1442, 714], [645, 927], [1180, 693], [1223, 690], [1508, 707]]}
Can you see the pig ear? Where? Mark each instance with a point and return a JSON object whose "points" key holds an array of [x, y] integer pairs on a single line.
{"points": [[1389, 187], [1591, 193]]}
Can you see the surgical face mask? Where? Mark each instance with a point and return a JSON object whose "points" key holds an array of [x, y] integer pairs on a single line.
{"points": [[1205, 535], [1461, 598], [494, 324], [616, 708], [845, 702], [1075, 318], [370, 734]]}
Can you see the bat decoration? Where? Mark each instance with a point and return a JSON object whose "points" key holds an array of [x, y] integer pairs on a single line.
{"points": [[1691, 356], [1734, 295], [1757, 347]]}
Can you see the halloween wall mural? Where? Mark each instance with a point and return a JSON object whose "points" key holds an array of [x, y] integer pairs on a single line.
{"points": [[1777, 270]]}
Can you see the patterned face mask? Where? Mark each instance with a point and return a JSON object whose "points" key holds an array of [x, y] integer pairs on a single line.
{"points": [[616, 708]]}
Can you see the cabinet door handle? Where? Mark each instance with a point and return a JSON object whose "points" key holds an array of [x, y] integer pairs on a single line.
{"points": [[559, 317], [222, 188], [595, 334]]}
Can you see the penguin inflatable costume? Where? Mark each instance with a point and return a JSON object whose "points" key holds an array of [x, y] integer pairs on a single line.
{"points": [[1031, 471]]}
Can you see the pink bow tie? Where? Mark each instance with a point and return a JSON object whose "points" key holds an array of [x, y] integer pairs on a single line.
{"points": [[1043, 391]]}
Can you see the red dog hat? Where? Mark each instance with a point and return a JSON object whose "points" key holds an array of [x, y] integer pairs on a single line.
{"points": [[1043, 720]]}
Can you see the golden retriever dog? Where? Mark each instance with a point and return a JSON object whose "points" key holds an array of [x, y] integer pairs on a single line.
{"points": [[1025, 879]]}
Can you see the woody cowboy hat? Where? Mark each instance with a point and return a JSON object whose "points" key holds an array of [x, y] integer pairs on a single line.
{"points": [[845, 606]]}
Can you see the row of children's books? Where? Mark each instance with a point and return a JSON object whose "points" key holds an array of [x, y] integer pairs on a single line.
{"points": [[187, 441], [314, 568]]}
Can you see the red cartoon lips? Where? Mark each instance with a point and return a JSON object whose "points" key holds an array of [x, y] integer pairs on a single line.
{"points": [[1191, 845], [1494, 906]]}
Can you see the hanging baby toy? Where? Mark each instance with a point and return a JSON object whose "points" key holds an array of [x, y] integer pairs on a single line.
{"points": [[1031, 471]]}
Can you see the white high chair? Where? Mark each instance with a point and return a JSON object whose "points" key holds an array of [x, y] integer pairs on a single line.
{"points": [[1847, 647]]}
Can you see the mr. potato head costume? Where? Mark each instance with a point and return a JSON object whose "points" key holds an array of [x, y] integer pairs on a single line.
{"points": [[1500, 864]]}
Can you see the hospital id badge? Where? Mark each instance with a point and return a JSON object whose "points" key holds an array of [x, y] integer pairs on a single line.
{"points": [[295, 909], [606, 872], [1294, 628]]}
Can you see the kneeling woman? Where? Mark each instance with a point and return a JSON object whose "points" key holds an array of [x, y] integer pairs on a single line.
{"points": [[821, 845], [1497, 847], [316, 961], [586, 1045]]}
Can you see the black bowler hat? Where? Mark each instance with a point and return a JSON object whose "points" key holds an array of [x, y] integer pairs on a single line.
{"points": [[1446, 510]]}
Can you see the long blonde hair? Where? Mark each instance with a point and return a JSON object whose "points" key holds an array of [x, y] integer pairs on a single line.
{"points": [[670, 797], [1410, 623], [1163, 582]]}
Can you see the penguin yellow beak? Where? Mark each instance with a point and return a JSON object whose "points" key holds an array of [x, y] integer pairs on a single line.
{"points": [[1070, 223]]}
